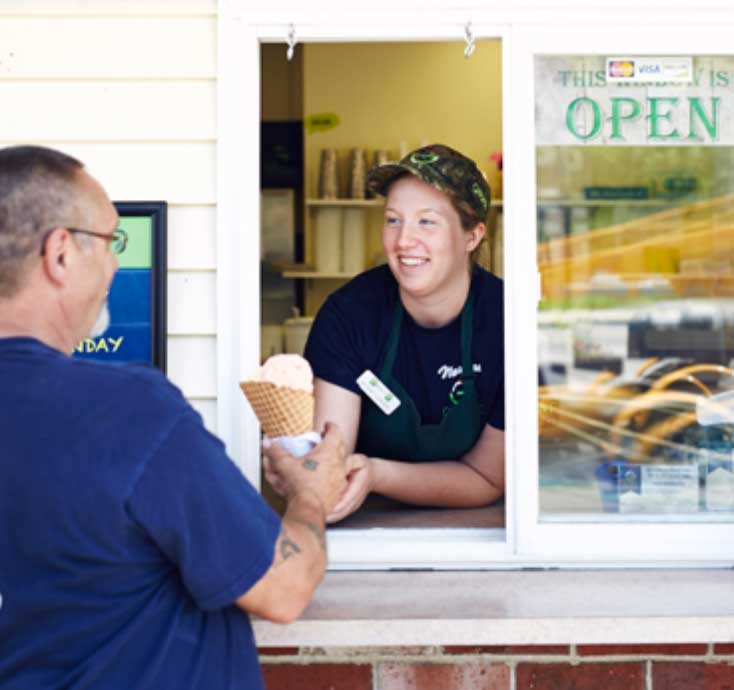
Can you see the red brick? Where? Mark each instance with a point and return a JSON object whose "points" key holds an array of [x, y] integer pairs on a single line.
{"points": [[591, 676], [724, 649], [647, 649], [691, 675], [508, 649], [317, 676], [278, 651], [337, 654], [539, 649], [472, 676]]}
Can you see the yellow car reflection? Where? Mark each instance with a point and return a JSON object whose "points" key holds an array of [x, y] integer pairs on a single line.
{"points": [[642, 420]]}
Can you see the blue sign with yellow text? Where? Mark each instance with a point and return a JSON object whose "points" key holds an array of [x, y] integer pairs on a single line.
{"points": [[137, 295]]}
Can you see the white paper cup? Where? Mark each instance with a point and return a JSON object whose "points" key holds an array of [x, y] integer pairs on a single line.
{"points": [[299, 445]]}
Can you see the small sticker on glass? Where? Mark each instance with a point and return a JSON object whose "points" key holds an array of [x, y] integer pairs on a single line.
{"points": [[648, 70]]}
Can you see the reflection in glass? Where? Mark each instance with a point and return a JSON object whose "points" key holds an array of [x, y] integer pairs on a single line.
{"points": [[636, 324]]}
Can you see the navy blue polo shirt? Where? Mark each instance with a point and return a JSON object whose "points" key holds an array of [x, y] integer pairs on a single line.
{"points": [[126, 533], [351, 331]]}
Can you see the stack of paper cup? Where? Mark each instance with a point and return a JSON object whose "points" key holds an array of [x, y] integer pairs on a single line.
{"points": [[328, 175], [357, 173], [328, 239], [353, 240]]}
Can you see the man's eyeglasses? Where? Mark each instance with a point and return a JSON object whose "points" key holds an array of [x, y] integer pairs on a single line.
{"points": [[117, 239]]}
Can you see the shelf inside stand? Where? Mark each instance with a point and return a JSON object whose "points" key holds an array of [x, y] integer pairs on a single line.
{"points": [[362, 203], [346, 203], [306, 271]]}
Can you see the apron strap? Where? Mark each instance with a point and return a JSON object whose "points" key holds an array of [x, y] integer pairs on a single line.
{"points": [[467, 324], [392, 341]]}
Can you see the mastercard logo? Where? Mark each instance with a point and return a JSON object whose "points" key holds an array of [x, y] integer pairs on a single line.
{"points": [[621, 68]]}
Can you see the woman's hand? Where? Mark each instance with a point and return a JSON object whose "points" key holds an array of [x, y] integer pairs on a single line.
{"points": [[360, 479]]}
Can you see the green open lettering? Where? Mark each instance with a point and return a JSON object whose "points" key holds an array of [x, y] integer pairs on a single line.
{"points": [[656, 115], [711, 125], [571, 112], [617, 117]]}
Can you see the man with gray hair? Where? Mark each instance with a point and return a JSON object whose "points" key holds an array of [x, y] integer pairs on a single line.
{"points": [[131, 547]]}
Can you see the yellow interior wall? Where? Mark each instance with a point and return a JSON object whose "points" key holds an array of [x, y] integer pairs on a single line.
{"points": [[388, 95]]}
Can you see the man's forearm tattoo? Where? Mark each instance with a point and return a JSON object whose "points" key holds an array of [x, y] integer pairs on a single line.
{"points": [[319, 533], [288, 547], [310, 464], [317, 530]]}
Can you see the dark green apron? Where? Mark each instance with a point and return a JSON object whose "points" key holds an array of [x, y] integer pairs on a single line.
{"points": [[400, 435]]}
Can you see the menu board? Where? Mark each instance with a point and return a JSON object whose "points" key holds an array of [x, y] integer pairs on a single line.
{"points": [[137, 297]]}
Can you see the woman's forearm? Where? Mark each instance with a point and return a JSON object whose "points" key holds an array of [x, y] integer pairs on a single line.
{"points": [[441, 484]]}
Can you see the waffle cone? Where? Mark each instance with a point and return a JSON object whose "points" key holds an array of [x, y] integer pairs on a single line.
{"points": [[280, 411]]}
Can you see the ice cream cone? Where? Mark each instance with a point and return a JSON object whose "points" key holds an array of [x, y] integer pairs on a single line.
{"points": [[281, 411]]}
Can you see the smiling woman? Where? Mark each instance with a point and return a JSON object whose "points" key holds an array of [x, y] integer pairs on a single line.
{"points": [[427, 331]]}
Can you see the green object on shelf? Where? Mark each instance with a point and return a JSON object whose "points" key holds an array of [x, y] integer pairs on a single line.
{"points": [[597, 193], [679, 186]]}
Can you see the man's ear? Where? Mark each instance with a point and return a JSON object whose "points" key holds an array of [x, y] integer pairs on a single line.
{"points": [[56, 255], [474, 236]]}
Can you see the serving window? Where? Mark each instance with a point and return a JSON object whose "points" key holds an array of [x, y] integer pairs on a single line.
{"points": [[328, 115]]}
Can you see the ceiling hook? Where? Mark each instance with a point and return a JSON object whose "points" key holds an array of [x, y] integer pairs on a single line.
{"points": [[469, 36], [291, 42]]}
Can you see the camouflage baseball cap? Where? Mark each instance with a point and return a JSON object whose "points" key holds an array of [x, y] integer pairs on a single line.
{"points": [[443, 168]]}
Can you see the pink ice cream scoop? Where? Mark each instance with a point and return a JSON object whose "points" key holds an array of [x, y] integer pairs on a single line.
{"points": [[288, 371], [281, 395]]}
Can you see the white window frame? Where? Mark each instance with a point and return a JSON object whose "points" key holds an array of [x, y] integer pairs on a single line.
{"points": [[592, 542], [525, 542]]}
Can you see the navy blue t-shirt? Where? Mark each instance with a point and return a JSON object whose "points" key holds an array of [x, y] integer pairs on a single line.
{"points": [[126, 533], [351, 331]]}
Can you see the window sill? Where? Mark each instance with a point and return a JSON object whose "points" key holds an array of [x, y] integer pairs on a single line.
{"points": [[512, 607]]}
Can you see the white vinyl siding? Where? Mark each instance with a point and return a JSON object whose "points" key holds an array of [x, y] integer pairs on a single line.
{"points": [[129, 88], [106, 47]]}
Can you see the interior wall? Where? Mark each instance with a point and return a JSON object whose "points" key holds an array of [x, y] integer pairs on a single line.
{"points": [[397, 96]]}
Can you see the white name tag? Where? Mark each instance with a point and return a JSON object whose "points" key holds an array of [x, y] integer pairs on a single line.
{"points": [[378, 392]]}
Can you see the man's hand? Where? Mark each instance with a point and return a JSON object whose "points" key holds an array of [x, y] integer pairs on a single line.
{"points": [[322, 472]]}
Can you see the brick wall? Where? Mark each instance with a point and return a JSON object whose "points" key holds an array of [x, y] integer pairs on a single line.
{"points": [[575, 667]]}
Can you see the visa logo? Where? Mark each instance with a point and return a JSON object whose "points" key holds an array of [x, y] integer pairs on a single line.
{"points": [[650, 69]]}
